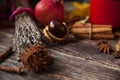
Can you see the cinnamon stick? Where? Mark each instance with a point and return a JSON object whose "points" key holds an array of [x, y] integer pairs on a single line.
{"points": [[80, 28], [12, 69], [5, 53], [95, 36], [94, 30], [87, 25], [83, 31]]}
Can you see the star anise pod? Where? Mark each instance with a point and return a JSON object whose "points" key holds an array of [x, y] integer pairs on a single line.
{"points": [[104, 47]]}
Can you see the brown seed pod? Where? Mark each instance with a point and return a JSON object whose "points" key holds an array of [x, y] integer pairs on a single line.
{"points": [[56, 31], [36, 58]]}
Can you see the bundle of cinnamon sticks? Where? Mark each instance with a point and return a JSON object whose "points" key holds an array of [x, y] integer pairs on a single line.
{"points": [[85, 31]]}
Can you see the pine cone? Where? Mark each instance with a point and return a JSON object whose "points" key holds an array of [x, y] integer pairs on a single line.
{"points": [[36, 58]]}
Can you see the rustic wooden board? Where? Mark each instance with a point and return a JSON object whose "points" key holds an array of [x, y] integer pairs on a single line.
{"points": [[75, 60]]}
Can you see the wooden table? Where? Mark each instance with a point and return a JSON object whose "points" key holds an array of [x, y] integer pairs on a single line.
{"points": [[75, 60]]}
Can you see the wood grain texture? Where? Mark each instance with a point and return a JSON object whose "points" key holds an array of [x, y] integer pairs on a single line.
{"points": [[75, 60]]}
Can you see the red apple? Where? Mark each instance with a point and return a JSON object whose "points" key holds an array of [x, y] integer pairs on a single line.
{"points": [[49, 10]]}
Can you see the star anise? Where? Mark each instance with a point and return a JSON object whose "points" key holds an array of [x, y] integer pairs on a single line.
{"points": [[104, 47]]}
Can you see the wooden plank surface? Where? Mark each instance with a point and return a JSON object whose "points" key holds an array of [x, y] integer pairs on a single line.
{"points": [[75, 60]]}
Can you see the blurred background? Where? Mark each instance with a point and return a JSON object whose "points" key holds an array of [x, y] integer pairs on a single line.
{"points": [[79, 0], [72, 8]]}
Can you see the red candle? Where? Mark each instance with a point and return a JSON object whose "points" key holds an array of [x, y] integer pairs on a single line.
{"points": [[105, 12]]}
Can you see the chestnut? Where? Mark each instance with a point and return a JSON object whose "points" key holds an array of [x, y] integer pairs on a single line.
{"points": [[56, 30]]}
